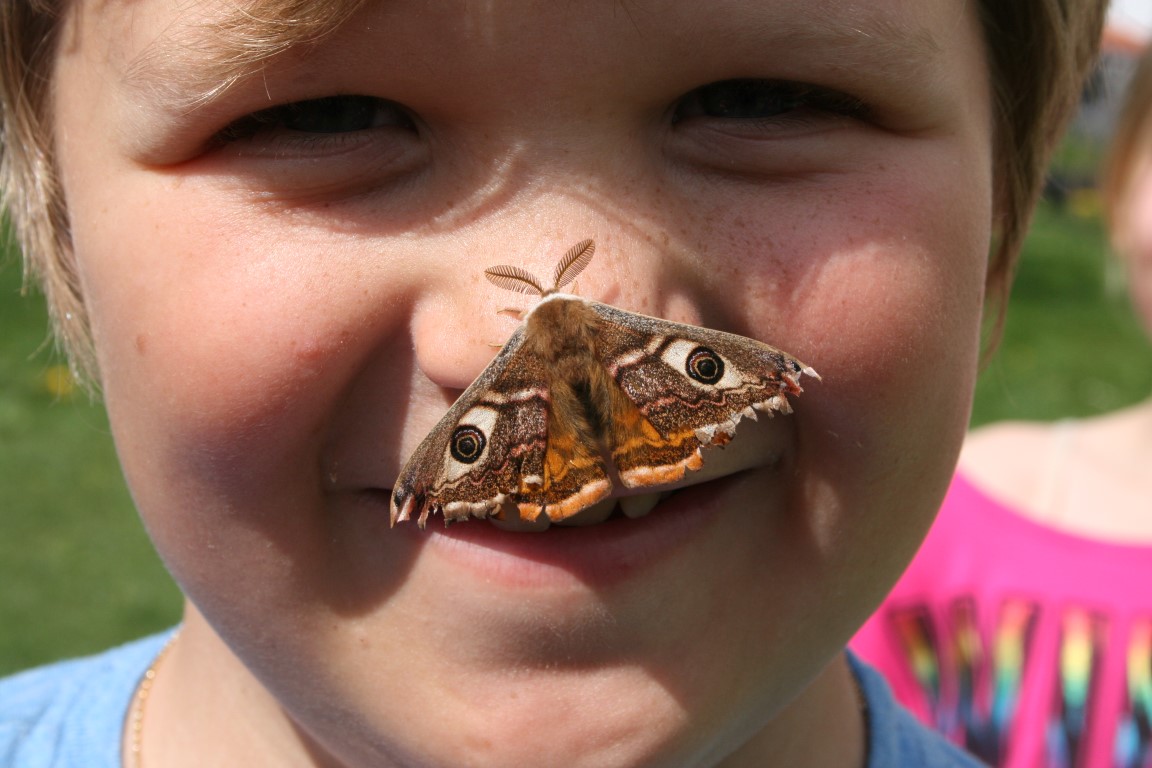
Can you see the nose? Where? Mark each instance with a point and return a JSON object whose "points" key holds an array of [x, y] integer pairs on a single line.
{"points": [[459, 325]]}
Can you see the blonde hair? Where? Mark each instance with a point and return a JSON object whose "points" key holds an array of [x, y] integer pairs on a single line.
{"points": [[30, 193], [1038, 51], [1131, 143]]}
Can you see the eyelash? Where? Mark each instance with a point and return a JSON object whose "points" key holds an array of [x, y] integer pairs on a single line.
{"points": [[765, 100], [331, 115], [737, 99]]}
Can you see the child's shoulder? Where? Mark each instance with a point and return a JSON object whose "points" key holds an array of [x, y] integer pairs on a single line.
{"points": [[1085, 476], [71, 713], [896, 739]]}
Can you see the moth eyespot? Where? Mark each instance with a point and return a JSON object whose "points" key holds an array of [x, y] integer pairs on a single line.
{"points": [[704, 365], [467, 444]]}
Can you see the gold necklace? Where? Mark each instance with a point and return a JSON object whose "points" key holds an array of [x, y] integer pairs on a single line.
{"points": [[140, 701]]}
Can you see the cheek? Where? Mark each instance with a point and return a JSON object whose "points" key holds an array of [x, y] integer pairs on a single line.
{"points": [[1133, 238], [212, 338], [224, 352], [886, 305], [902, 338], [885, 295]]}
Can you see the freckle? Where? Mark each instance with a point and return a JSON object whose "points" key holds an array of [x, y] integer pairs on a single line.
{"points": [[141, 343]]}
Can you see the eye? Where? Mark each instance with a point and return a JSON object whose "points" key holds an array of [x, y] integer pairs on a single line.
{"points": [[704, 365], [329, 115], [467, 444], [753, 99]]}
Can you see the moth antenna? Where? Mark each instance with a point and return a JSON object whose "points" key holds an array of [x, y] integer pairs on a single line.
{"points": [[514, 279], [573, 263]]}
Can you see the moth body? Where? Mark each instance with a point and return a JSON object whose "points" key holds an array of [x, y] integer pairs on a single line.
{"points": [[562, 332]]}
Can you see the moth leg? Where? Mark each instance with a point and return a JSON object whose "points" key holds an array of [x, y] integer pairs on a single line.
{"points": [[513, 312]]}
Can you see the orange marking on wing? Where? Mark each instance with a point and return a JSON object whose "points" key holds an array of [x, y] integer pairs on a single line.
{"points": [[572, 478], [641, 477], [563, 457], [649, 459], [631, 429], [528, 511], [651, 438], [588, 495]]}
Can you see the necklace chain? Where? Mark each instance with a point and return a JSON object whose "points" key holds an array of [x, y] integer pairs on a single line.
{"points": [[140, 703]]}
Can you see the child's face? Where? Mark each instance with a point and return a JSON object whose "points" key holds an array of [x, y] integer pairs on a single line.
{"points": [[1133, 235], [283, 310]]}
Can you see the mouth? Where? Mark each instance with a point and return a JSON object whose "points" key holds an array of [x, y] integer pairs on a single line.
{"points": [[761, 446], [610, 542], [618, 537]]}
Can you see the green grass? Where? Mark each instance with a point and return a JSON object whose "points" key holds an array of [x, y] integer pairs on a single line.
{"points": [[77, 573], [1071, 346]]}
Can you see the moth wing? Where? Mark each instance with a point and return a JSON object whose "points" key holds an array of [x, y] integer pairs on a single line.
{"points": [[688, 388], [575, 476], [507, 410], [516, 457]]}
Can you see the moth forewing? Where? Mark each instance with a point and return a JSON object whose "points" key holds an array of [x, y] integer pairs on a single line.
{"points": [[685, 378], [501, 400]]}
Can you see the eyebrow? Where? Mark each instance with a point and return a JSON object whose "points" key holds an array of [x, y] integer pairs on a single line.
{"points": [[887, 42], [211, 57]]}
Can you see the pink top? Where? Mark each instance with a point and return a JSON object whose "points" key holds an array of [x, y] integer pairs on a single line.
{"points": [[1025, 644]]}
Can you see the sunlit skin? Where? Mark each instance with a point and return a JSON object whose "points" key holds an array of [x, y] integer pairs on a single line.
{"points": [[281, 315], [1133, 235]]}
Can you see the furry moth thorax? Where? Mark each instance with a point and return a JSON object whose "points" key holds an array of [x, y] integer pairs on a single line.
{"points": [[582, 397]]}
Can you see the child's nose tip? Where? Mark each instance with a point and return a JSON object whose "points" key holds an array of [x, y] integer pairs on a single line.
{"points": [[454, 339]]}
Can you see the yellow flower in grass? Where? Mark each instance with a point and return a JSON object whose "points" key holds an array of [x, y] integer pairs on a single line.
{"points": [[1085, 203], [58, 380]]}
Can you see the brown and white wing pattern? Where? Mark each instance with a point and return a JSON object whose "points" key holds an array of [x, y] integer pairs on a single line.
{"points": [[500, 450], [578, 385], [491, 437], [690, 385]]}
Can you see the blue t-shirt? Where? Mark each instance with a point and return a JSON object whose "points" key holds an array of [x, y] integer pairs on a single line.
{"points": [[896, 739], [71, 715]]}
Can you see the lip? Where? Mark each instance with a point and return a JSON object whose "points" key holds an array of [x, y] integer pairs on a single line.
{"points": [[597, 556], [602, 554]]}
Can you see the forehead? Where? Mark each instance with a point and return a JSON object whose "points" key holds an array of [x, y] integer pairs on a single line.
{"points": [[216, 42], [206, 45], [163, 62]]}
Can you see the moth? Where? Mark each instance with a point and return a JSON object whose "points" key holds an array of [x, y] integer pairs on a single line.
{"points": [[582, 396]]}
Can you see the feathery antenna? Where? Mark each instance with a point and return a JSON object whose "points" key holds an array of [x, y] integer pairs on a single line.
{"points": [[573, 263], [522, 281], [514, 279]]}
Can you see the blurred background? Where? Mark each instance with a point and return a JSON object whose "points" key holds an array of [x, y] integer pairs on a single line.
{"points": [[78, 575]]}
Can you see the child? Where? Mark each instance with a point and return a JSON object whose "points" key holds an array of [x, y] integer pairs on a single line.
{"points": [[263, 227], [1028, 609]]}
